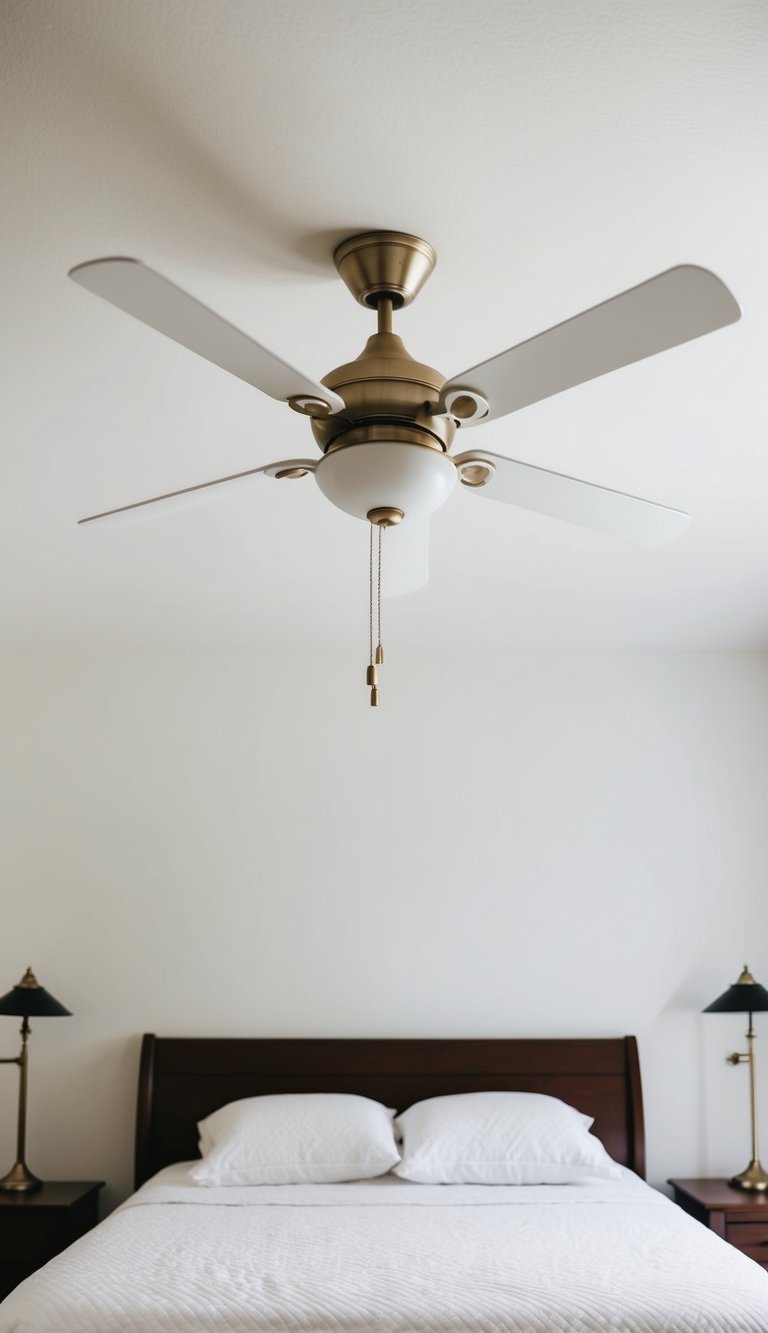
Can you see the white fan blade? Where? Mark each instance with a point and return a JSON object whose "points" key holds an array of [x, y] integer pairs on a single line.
{"points": [[640, 522], [141, 292], [190, 496], [670, 309], [405, 558]]}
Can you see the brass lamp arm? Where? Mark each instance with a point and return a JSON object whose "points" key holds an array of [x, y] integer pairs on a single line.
{"points": [[21, 1058], [737, 1058]]}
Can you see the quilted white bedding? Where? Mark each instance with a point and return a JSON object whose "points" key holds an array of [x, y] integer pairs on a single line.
{"points": [[389, 1256]]}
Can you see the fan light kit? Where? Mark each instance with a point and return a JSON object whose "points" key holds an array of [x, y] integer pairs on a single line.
{"points": [[386, 424]]}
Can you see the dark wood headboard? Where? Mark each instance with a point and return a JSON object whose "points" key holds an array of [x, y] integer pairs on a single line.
{"points": [[184, 1079]]}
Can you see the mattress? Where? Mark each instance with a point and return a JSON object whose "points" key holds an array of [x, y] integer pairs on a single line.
{"points": [[391, 1256]]}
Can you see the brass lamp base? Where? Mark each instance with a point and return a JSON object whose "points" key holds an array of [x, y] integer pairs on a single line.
{"points": [[754, 1178], [20, 1180]]}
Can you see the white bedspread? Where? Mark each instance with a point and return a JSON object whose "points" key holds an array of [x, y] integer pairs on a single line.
{"points": [[386, 1256]]}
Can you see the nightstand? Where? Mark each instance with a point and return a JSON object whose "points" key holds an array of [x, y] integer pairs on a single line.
{"points": [[739, 1217], [36, 1226]]}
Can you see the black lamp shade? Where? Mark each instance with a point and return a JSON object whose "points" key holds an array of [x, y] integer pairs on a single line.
{"points": [[31, 1000], [746, 996]]}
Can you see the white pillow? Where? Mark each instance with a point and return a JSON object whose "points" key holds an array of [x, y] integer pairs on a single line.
{"points": [[499, 1138], [292, 1138]]}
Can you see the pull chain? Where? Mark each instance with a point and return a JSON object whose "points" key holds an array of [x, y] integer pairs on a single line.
{"points": [[385, 517], [370, 606], [372, 675], [379, 658]]}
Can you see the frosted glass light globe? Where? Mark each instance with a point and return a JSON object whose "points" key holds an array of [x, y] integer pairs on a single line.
{"points": [[411, 477]]}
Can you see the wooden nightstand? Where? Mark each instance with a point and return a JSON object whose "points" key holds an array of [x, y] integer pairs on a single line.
{"points": [[739, 1217], [34, 1227]]}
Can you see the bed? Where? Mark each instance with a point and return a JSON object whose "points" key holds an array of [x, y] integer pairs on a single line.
{"points": [[387, 1254]]}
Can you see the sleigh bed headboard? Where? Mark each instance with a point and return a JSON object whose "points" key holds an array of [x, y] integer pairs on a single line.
{"points": [[184, 1079]]}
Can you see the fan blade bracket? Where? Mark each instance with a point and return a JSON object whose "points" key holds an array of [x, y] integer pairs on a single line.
{"points": [[290, 468], [465, 406], [474, 470], [308, 406]]}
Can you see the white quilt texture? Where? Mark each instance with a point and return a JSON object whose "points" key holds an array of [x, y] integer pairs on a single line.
{"points": [[389, 1256]]}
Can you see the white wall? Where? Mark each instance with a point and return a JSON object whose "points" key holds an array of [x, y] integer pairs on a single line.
{"points": [[559, 846]]}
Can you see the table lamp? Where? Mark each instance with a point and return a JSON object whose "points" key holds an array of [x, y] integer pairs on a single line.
{"points": [[746, 996], [28, 1000]]}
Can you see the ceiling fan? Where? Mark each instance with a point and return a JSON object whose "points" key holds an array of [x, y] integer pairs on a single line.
{"points": [[386, 424]]}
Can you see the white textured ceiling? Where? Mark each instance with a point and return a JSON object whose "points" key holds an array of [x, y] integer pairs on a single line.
{"points": [[553, 153]]}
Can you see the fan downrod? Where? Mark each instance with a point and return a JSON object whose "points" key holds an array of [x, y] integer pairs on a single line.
{"points": [[384, 265]]}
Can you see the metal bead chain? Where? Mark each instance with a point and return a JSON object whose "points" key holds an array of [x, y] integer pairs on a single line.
{"points": [[379, 649], [372, 675], [370, 597], [374, 658]]}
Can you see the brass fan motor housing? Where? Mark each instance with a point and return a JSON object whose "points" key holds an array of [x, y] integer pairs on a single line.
{"points": [[387, 394], [385, 387]]}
